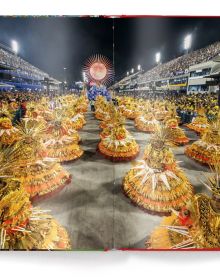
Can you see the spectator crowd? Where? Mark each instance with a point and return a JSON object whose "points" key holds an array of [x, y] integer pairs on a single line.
{"points": [[23, 67], [177, 66], [180, 65]]}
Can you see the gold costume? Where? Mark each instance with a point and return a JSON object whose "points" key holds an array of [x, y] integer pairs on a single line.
{"points": [[39, 174], [200, 123], [197, 225], [119, 145], [207, 149], [156, 183], [146, 122], [23, 227], [8, 133], [175, 132], [62, 144]]}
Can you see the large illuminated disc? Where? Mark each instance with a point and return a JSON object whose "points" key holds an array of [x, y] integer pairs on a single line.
{"points": [[99, 69]]}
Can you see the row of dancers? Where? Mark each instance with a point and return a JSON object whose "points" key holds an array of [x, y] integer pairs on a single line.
{"points": [[156, 183], [32, 152]]}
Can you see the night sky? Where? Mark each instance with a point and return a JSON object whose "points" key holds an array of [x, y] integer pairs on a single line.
{"points": [[52, 43]]}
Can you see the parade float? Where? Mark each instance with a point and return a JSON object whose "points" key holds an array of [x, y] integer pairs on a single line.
{"points": [[98, 74]]}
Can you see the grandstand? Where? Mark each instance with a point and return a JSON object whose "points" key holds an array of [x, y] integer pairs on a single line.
{"points": [[17, 73], [185, 73]]}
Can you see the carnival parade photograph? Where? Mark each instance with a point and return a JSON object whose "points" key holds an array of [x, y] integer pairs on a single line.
{"points": [[109, 133]]}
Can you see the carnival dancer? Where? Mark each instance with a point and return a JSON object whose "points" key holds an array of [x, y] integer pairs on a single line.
{"points": [[200, 123], [194, 226], [23, 227], [62, 144], [175, 132], [8, 133], [40, 175], [156, 183], [207, 149], [146, 122], [119, 145]]}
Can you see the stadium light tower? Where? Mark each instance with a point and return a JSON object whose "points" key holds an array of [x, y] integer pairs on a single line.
{"points": [[157, 57], [84, 76], [14, 46], [64, 72], [187, 42]]}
